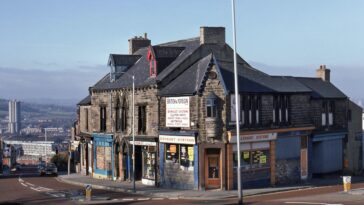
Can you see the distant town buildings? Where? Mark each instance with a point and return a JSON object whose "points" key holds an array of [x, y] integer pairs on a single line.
{"points": [[14, 117], [29, 152]]}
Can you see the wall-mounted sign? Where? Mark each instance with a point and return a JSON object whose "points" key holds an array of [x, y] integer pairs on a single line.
{"points": [[255, 137], [177, 139], [143, 143], [178, 112]]}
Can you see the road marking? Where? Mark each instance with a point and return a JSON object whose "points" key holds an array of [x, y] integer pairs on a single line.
{"points": [[127, 199], [35, 189], [23, 184], [173, 198], [30, 184], [157, 198], [312, 203], [143, 199]]}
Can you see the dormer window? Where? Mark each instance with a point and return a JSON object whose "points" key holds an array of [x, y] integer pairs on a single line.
{"points": [[211, 105], [152, 63]]}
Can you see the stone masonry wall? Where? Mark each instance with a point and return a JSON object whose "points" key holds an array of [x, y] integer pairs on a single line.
{"points": [[175, 177], [287, 171]]}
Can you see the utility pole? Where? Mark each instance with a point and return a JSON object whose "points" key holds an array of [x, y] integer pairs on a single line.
{"points": [[133, 130], [240, 199]]}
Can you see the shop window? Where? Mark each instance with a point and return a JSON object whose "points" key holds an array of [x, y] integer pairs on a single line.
{"points": [[149, 162], [252, 159], [211, 108], [180, 154], [102, 119], [142, 119]]}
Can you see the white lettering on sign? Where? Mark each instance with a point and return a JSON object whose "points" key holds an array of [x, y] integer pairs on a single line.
{"points": [[255, 137], [177, 139], [144, 143], [178, 112]]}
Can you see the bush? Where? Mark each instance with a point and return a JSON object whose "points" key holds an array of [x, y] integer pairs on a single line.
{"points": [[61, 161]]}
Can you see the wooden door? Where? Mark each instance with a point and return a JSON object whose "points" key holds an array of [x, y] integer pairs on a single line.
{"points": [[212, 171]]}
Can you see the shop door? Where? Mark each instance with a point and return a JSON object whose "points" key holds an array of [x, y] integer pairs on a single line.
{"points": [[212, 171]]}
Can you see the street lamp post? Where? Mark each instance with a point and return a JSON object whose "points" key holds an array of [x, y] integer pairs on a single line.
{"points": [[133, 130], [240, 198]]}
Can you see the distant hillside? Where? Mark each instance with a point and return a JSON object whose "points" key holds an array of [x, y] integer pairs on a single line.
{"points": [[43, 109]]}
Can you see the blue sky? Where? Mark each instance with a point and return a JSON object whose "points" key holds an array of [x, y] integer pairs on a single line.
{"points": [[74, 38]]}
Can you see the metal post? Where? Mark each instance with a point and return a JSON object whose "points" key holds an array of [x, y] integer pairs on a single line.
{"points": [[69, 159], [45, 144], [133, 130], [240, 199]]}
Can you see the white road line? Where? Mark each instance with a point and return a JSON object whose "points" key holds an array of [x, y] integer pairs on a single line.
{"points": [[44, 189], [173, 198], [311, 203], [143, 199], [127, 199], [23, 184], [157, 198], [34, 189], [30, 184]]}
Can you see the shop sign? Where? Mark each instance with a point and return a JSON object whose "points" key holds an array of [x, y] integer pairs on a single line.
{"points": [[177, 139], [178, 112], [143, 143], [255, 137]]}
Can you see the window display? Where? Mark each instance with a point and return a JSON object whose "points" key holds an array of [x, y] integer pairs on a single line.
{"points": [[149, 164], [252, 159], [182, 154]]}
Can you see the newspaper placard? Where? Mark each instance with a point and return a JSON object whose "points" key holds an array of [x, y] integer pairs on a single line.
{"points": [[178, 112]]}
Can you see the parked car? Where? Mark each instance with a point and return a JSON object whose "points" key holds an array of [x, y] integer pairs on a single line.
{"points": [[48, 169]]}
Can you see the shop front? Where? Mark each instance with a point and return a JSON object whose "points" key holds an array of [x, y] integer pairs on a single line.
{"points": [[327, 153], [257, 152], [145, 159], [103, 156], [178, 160]]}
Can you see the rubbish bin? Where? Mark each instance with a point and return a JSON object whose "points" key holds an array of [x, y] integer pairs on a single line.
{"points": [[347, 183], [88, 188]]}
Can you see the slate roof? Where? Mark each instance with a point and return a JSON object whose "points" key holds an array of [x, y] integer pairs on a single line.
{"points": [[85, 101], [140, 69], [123, 60], [320, 88], [190, 81]]}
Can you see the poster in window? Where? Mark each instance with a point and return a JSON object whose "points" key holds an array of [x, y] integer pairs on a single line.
{"points": [[263, 159], [100, 159], [172, 149], [246, 155], [190, 153]]}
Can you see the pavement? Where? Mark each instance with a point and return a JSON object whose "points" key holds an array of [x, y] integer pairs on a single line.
{"points": [[152, 191]]}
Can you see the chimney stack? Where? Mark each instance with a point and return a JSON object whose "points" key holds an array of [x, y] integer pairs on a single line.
{"points": [[212, 35], [323, 73], [137, 43]]}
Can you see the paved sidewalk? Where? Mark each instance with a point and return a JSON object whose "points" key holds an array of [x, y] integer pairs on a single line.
{"points": [[81, 180]]}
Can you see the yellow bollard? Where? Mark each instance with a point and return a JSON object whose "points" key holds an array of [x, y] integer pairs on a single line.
{"points": [[347, 183], [88, 192]]}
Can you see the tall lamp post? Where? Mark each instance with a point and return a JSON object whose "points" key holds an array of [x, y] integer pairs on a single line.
{"points": [[133, 130], [240, 198]]}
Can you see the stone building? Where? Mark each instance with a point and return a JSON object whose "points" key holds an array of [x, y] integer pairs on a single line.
{"points": [[184, 118]]}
